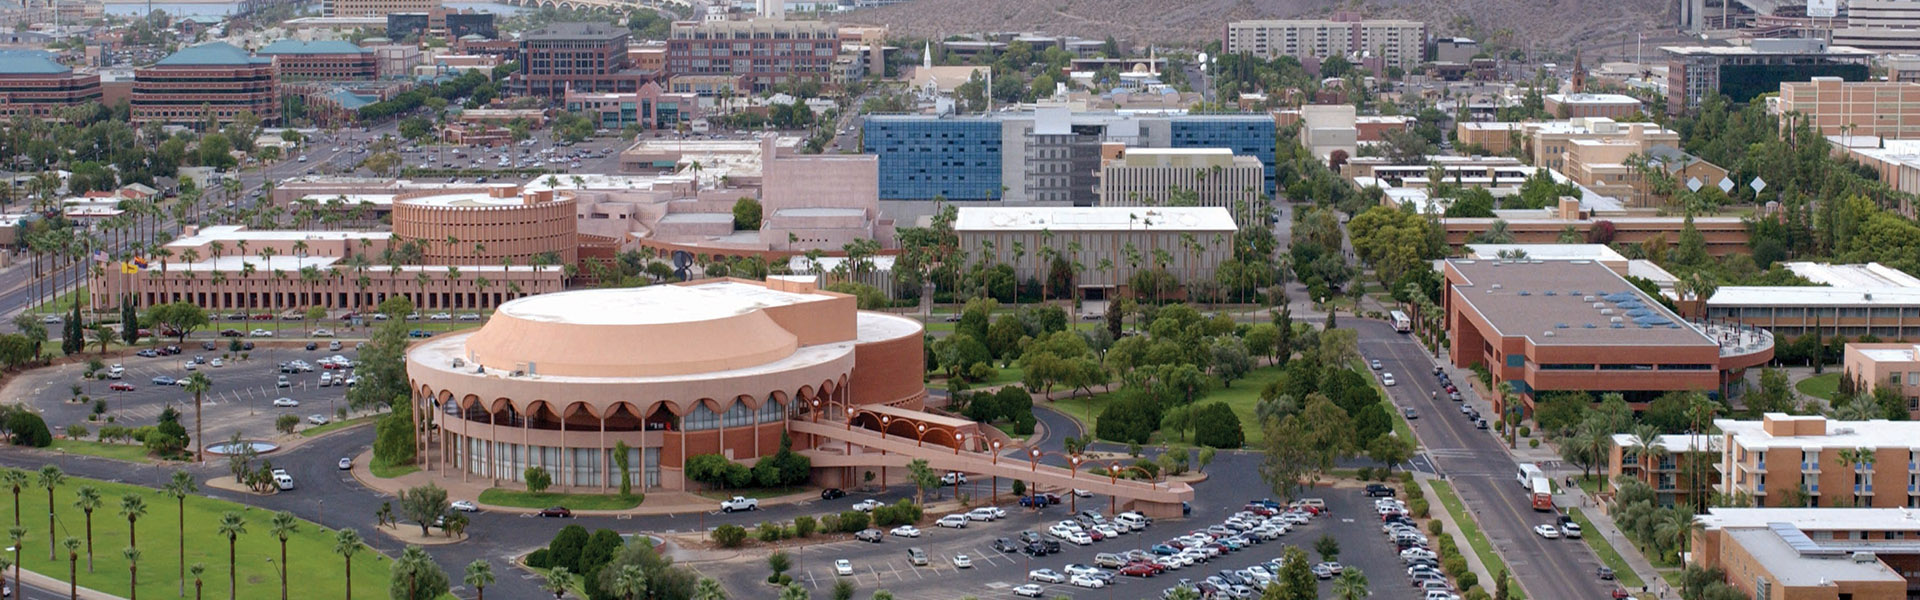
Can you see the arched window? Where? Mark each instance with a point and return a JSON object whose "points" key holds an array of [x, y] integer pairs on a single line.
{"points": [[737, 415], [700, 418], [773, 411]]}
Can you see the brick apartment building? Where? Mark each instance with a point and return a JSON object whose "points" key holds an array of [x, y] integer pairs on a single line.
{"points": [[374, 8], [1398, 43], [331, 60], [580, 57], [216, 79], [1834, 106], [761, 53], [33, 85]]}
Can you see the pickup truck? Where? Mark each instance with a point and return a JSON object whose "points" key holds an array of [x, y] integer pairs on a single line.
{"points": [[739, 503]]}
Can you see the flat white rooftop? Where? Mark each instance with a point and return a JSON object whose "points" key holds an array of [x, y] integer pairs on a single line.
{"points": [[1815, 519], [1893, 355], [1856, 275], [653, 305], [1094, 218], [1674, 442], [466, 200], [1804, 296], [1596, 252], [1840, 434], [1593, 99], [1795, 561], [223, 233]]}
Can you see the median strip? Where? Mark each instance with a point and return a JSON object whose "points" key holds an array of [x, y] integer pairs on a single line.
{"points": [[1608, 556], [1476, 539]]}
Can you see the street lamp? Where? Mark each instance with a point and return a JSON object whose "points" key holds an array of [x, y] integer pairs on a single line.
{"points": [[920, 435], [884, 420], [1113, 477], [1034, 461]]}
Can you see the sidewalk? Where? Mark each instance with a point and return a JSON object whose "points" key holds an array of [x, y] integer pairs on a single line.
{"points": [[1604, 525], [1439, 513], [56, 585]]}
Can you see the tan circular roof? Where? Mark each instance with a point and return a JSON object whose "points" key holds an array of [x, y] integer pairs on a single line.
{"points": [[630, 332]]}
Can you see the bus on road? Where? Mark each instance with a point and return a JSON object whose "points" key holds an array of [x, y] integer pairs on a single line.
{"points": [[1401, 323], [1542, 492]]}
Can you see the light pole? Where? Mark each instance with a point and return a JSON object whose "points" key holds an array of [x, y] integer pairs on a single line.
{"points": [[920, 435], [1113, 477], [1073, 472], [996, 475]]}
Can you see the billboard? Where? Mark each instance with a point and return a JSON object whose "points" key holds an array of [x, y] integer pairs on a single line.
{"points": [[1825, 9]]}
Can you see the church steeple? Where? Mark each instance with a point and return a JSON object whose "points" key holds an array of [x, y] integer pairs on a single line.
{"points": [[926, 55], [1579, 74]]}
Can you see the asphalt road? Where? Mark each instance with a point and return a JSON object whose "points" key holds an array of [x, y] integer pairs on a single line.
{"points": [[1482, 472]]}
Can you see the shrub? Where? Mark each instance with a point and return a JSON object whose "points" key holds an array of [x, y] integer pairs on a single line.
{"points": [[729, 536], [803, 526], [1419, 506], [29, 429], [1533, 443], [1467, 579], [852, 521], [1435, 528], [1525, 431], [770, 531], [1364, 473], [77, 431], [1454, 566], [538, 480], [539, 559], [828, 523], [565, 549], [1216, 426]]}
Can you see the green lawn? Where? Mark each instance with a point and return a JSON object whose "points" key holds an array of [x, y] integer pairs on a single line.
{"points": [[126, 452], [316, 570], [1007, 428], [386, 472], [61, 305], [1470, 530], [1820, 386], [336, 426], [525, 499], [1243, 397], [1608, 555]]}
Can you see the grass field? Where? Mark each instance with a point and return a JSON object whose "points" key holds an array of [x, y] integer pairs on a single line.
{"points": [[336, 426], [1608, 556], [1243, 397], [524, 499], [315, 570], [126, 452], [1476, 539], [393, 471], [1820, 386]]}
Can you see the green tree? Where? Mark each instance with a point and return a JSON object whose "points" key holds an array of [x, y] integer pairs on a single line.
{"points": [[746, 214], [1351, 585], [537, 478], [559, 581], [232, 526], [346, 543], [87, 499], [284, 526], [416, 577], [51, 477], [1296, 581], [1389, 451], [924, 478], [424, 504]]}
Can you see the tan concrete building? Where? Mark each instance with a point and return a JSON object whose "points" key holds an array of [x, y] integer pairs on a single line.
{"points": [[1400, 43], [1549, 141], [487, 226], [1113, 242], [1609, 167], [1582, 105], [375, 8], [1786, 460], [1152, 176], [1887, 365], [1863, 108], [1810, 554]]}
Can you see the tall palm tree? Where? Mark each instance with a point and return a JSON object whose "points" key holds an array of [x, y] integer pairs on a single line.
{"points": [[231, 526], [132, 507], [198, 384], [559, 581], [15, 480], [72, 545], [51, 477], [709, 588], [87, 499], [1352, 585], [630, 582], [346, 542], [1646, 450], [132, 555], [479, 575], [179, 488], [284, 526]]}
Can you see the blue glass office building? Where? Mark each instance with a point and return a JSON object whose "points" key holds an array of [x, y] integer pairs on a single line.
{"points": [[923, 158], [1247, 135]]}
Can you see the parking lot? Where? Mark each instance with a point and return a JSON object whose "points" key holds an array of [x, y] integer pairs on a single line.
{"points": [[885, 565], [242, 398]]}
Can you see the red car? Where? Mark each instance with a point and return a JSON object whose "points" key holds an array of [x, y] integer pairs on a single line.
{"points": [[1621, 594], [1138, 570], [121, 387], [1157, 567], [557, 511]]}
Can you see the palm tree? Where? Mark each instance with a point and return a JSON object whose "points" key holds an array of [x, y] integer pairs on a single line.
{"points": [[72, 545], [16, 480], [1352, 585], [284, 526], [559, 581], [346, 542], [179, 488], [196, 570], [709, 588], [630, 583], [198, 384], [132, 506], [1496, 233], [51, 477], [132, 555], [480, 575], [231, 526], [1646, 450], [87, 499]]}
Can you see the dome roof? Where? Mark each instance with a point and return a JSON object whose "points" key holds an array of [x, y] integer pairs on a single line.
{"points": [[633, 332]]}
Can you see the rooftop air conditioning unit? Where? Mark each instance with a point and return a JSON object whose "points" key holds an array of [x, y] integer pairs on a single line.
{"points": [[1864, 557], [457, 363]]}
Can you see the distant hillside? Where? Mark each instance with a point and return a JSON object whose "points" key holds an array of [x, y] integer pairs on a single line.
{"points": [[1546, 24]]}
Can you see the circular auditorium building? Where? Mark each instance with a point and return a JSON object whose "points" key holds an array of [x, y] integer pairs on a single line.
{"points": [[718, 366], [484, 226]]}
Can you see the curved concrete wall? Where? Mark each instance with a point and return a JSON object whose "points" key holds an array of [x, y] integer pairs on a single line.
{"points": [[519, 232]]}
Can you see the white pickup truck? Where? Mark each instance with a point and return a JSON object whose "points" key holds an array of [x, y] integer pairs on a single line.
{"points": [[739, 503]]}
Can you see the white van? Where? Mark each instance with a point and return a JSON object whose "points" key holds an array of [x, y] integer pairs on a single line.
{"points": [[1133, 521], [116, 372], [282, 480]]}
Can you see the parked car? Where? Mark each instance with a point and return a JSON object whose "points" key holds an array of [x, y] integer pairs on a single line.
{"points": [[346, 463], [956, 520], [868, 535], [559, 512], [1546, 531], [739, 503], [906, 531], [867, 505], [843, 567], [832, 493], [465, 506], [318, 419], [121, 387], [1029, 590], [285, 402]]}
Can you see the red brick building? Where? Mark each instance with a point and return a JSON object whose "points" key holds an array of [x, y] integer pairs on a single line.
{"points": [[215, 79], [33, 85], [762, 52], [332, 60], [582, 57]]}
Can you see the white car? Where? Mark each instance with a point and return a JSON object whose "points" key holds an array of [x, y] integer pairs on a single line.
{"points": [[217, 363], [955, 520], [866, 505], [1047, 575], [1386, 379], [260, 333], [1087, 582], [981, 514], [346, 463], [1107, 531], [1031, 590], [465, 506], [1079, 569], [1082, 493], [318, 419], [1570, 530], [962, 561], [440, 317], [906, 531], [842, 567], [953, 477], [1546, 531], [323, 332], [285, 402]]}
